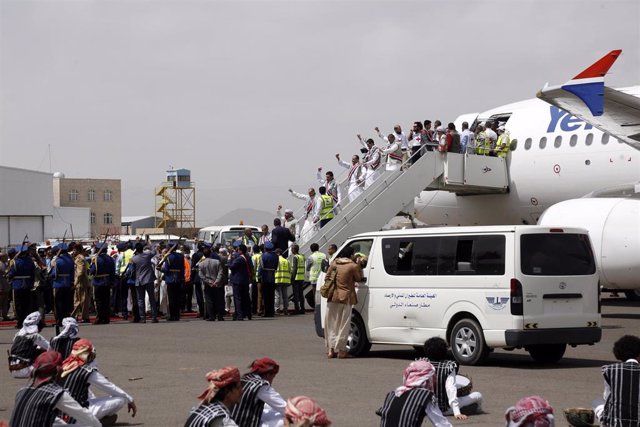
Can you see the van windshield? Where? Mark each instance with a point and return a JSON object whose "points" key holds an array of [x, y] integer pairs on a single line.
{"points": [[228, 237], [556, 255]]}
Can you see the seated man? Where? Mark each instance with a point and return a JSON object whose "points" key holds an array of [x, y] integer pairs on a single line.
{"points": [[258, 394], [63, 342], [38, 403], [531, 411], [223, 393], [407, 405], [621, 405], [78, 373], [445, 388], [302, 411], [27, 345]]}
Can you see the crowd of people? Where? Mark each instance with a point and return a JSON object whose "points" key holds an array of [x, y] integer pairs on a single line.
{"points": [[397, 151], [63, 376], [252, 276]]}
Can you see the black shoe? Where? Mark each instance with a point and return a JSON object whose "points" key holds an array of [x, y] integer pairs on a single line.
{"points": [[209, 320], [220, 319], [154, 321], [109, 420]]}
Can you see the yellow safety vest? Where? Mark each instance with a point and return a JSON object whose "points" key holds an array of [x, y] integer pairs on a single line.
{"points": [[503, 145], [256, 260], [483, 144], [299, 268], [327, 207], [126, 259], [316, 267], [283, 273]]}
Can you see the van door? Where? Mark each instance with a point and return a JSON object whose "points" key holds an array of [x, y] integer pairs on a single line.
{"points": [[558, 277], [362, 249]]}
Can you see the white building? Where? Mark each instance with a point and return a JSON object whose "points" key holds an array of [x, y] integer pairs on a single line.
{"points": [[26, 207]]}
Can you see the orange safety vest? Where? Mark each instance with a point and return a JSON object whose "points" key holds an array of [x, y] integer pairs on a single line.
{"points": [[187, 270]]}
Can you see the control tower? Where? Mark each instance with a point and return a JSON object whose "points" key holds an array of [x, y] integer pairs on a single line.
{"points": [[176, 204]]}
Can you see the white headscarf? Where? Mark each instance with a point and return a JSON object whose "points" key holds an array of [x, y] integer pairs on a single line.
{"points": [[70, 328], [30, 324]]}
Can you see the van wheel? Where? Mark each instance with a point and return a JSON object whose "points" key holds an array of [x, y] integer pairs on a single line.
{"points": [[633, 294], [547, 353], [357, 343], [467, 343]]}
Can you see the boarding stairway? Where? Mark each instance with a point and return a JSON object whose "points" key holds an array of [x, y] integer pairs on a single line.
{"points": [[394, 191]]}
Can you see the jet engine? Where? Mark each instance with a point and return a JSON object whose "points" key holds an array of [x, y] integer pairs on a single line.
{"points": [[614, 229]]}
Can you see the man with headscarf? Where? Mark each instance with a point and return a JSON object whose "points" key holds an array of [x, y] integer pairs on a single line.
{"points": [[38, 403], [355, 176], [407, 405], [260, 403], [302, 411], [532, 411], [224, 392], [63, 342], [27, 345], [78, 373]]}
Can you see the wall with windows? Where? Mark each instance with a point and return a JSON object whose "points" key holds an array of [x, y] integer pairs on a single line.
{"points": [[101, 196]]}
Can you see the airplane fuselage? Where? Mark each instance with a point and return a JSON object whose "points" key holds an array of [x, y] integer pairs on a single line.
{"points": [[557, 157]]}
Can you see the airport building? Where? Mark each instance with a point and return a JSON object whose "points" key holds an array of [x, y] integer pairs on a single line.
{"points": [[27, 208], [101, 196]]}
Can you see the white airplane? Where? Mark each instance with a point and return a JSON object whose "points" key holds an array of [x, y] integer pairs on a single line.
{"points": [[561, 160]]}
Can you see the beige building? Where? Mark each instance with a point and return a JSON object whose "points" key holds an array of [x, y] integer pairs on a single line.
{"points": [[101, 196]]}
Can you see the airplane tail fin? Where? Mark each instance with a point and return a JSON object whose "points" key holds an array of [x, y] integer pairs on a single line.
{"points": [[589, 84]]}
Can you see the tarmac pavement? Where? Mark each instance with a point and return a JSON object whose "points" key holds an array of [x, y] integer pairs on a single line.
{"points": [[163, 367]]}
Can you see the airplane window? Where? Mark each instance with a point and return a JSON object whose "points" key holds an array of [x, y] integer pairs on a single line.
{"points": [[527, 143], [589, 139], [514, 145], [574, 140], [543, 142], [558, 142], [605, 138]]}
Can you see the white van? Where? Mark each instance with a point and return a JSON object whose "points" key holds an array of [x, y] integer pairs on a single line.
{"points": [[479, 288], [225, 234]]}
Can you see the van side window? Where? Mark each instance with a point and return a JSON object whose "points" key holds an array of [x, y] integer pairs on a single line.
{"points": [[444, 256], [361, 248]]}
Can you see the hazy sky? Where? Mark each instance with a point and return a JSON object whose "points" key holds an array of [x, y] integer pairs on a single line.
{"points": [[253, 96]]}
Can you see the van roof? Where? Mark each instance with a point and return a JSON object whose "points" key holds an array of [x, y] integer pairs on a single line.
{"points": [[473, 229]]}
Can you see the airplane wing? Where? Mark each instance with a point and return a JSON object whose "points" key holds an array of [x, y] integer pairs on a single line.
{"points": [[614, 111]]}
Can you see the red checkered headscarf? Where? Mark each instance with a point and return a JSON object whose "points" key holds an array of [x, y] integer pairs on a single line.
{"points": [[46, 367], [217, 380], [530, 411], [303, 411], [264, 366], [82, 349], [419, 374]]}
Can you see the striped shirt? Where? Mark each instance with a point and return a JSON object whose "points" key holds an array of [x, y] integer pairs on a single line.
{"points": [[407, 410], [35, 407], [622, 406], [63, 345], [77, 384], [248, 412], [202, 415], [443, 369]]}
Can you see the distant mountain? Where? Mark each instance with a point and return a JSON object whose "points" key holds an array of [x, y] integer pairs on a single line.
{"points": [[247, 216]]}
